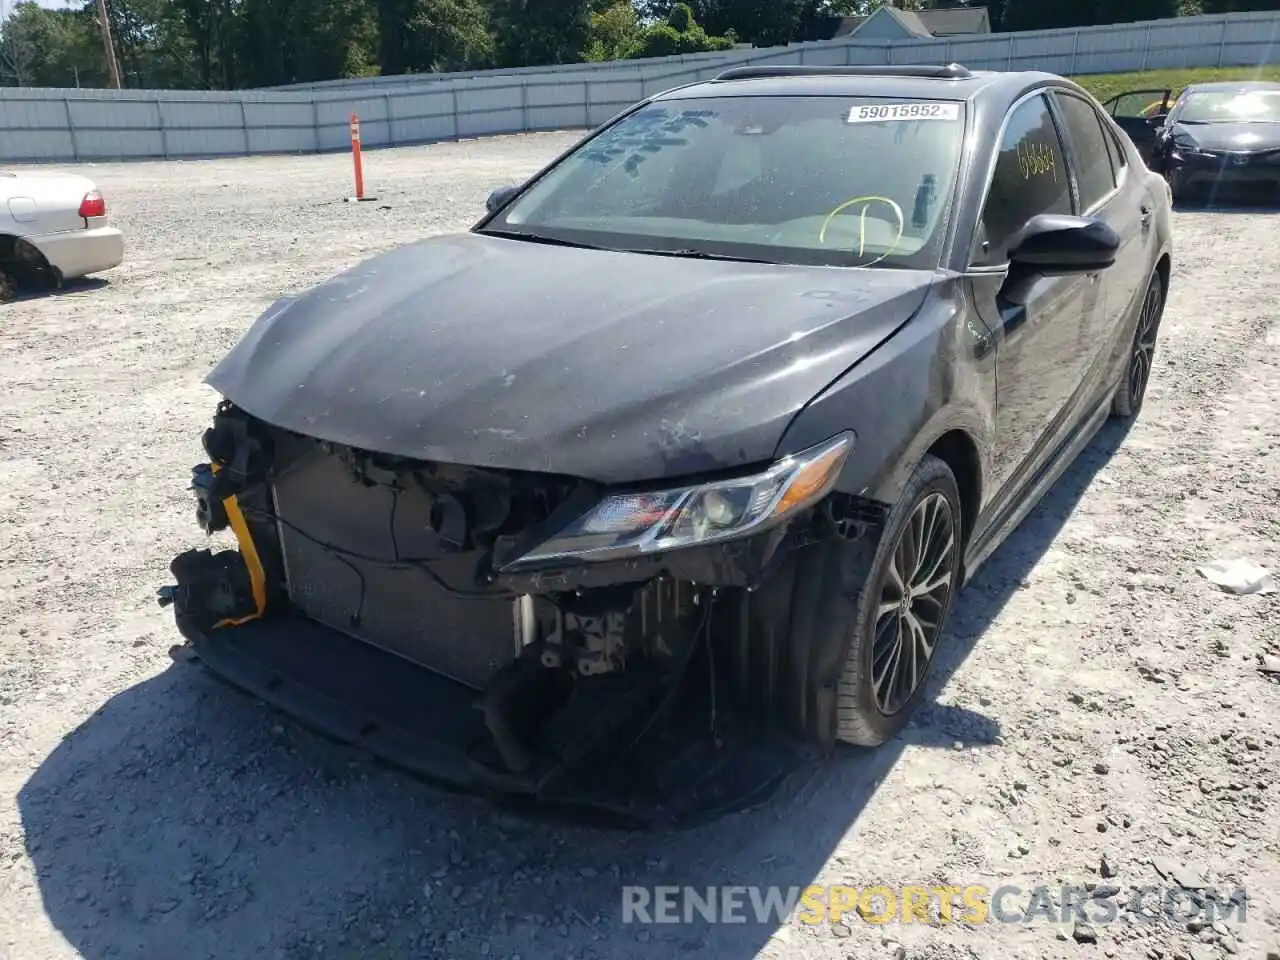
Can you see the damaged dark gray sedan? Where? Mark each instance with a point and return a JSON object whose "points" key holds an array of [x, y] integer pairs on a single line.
{"points": [[679, 457]]}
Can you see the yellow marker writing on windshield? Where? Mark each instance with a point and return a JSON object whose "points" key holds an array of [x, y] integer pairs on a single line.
{"points": [[866, 202]]}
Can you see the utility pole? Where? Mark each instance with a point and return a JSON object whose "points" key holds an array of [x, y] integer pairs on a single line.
{"points": [[108, 48]]}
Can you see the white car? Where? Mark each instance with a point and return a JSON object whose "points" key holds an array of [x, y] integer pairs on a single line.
{"points": [[53, 228]]}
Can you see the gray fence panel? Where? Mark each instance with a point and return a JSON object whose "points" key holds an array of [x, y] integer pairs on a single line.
{"points": [[424, 116], [491, 109], [196, 127], [279, 127], [44, 114], [70, 125]]}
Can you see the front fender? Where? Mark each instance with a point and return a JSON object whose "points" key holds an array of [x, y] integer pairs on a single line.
{"points": [[935, 375]]}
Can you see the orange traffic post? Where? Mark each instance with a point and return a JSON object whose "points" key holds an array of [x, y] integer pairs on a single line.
{"points": [[355, 156], [357, 160]]}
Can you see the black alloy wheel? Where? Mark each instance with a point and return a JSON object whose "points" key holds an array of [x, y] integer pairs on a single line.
{"points": [[902, 608], [915, 594], [1133, 388]]}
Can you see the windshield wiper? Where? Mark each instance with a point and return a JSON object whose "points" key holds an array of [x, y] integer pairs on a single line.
{"points": [[540, 238], [697, 255]]}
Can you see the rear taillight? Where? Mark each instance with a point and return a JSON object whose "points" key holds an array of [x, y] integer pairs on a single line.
{"points": [[93, 205]]}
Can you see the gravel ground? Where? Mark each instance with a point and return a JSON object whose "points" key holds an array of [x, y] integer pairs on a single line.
{"points": [[1100, 700]]}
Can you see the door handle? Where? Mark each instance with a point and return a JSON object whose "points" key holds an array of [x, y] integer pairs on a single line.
{"points": [[1146, 216]]}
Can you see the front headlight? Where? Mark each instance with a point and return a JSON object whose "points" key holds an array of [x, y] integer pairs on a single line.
{"points": [[629, 524]]}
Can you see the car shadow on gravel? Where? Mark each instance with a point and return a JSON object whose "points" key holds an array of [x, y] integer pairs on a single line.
{"points": [[184, 819], [42, 291]]}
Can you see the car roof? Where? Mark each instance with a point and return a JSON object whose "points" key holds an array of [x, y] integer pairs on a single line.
{"points": [[1233, 85], [987, 85]]}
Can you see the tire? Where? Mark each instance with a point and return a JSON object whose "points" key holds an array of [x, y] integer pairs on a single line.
{"points": [[864, 717], [1132, 391]]}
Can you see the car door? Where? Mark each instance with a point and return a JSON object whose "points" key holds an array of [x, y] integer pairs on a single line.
{"points": [[1140, 114], [1107, 189], [1040, 321]]}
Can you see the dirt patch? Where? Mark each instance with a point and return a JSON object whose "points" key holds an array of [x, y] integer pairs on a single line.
{"points": [[1101, 701]]}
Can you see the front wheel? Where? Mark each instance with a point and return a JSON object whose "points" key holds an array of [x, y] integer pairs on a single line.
{"points": [[1137, 374], [902, 609]]}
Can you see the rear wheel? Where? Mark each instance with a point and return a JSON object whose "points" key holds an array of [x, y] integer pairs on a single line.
{"points": [[1133, 386], [902, 609], [22, 266]]}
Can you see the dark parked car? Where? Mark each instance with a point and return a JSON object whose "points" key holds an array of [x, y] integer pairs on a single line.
{"points": [[1215, 135], [711, 418]]}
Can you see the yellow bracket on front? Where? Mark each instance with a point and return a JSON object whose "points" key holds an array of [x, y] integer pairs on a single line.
{"points": [[862, 224], [257, 575]]}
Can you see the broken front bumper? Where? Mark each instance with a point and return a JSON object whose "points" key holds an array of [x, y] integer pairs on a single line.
{"points": [[428, 725], [643, 688]]}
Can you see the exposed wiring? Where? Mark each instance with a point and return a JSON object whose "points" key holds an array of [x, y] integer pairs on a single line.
{"points": [[345, 556], [391, 524], [358, 617], [711, 672]]}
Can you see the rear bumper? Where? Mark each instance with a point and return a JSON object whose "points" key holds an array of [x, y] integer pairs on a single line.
{"points": [[78, 253]]}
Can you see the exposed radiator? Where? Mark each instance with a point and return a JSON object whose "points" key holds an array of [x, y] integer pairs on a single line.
{"points": [[402, 610]]}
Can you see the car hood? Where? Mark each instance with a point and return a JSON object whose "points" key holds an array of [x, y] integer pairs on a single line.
{"points": [[604, 365], [1228, 136]]}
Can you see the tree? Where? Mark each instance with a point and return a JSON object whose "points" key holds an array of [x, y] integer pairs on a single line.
{"points": [[429, 35], [50, 48], [760, 22], [152, 46], [18, 51], [535, 32], [678, 33], [615, 31], [1239, 6], [294, 41], [864, 8], [212, 30], [1046, 14]]}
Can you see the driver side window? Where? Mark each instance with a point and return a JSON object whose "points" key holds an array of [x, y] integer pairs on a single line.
{"points": [[1030, 178]]}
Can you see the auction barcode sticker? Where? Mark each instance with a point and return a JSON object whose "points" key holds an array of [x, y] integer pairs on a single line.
{"points": [[881, 112]]}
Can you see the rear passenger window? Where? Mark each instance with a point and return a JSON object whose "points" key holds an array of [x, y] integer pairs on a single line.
{"points": [[1092, 160], [1030, 179], [1119, 158], [1113, 153]]}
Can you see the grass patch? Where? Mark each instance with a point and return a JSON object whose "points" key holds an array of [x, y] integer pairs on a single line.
{"points": [[1107, 85]]}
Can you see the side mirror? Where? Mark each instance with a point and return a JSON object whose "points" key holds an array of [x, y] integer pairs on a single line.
{"points": [[1058, 244], [500, 198]]}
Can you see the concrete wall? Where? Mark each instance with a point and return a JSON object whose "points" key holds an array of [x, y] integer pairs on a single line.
{"points": [[72, 125]]}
